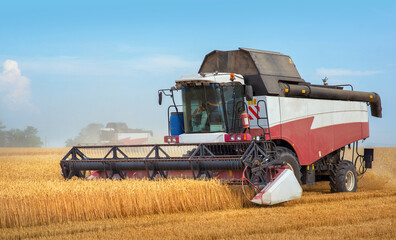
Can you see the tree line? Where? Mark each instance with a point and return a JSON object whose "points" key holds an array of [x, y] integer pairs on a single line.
{"points": [[19, 138]]}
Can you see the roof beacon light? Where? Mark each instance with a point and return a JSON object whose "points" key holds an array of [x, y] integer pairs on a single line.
{"points": [[232, 76]]}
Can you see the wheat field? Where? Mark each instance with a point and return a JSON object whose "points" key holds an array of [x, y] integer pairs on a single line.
{"points": [[35, 202]]}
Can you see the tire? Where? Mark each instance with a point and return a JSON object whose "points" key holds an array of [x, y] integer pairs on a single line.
{"points": [[289, 157], [344, 179]]}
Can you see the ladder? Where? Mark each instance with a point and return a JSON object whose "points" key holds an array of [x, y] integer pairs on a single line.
{"points": [[266, 131]]}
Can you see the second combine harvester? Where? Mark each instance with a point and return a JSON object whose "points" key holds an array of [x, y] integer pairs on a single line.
{"points": [[248, 118]]}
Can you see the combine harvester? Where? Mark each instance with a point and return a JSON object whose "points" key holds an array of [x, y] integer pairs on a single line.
{"points": [[247, 118]]}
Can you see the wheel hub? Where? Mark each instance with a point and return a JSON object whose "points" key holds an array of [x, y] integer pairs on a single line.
{"points": [[350, 181]]}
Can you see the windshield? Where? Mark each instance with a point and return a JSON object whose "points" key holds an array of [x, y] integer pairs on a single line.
{"points": [[211, 108]]}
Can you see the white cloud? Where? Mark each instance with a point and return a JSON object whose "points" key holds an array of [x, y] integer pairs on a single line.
{"points": [[151, 65], [14, 88], [344, 72]]}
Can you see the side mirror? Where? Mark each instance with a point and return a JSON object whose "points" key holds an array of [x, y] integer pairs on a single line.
{"points": [[160, 98], [249, 92]]}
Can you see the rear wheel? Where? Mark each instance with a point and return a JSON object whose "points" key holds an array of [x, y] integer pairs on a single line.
{"points": [[289, 157], [344, 179]]}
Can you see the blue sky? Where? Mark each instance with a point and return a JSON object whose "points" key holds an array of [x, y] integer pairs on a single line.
{"points": [[75, 63]]}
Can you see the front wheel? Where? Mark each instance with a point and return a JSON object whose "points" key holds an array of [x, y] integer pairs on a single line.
{"points": [[345, 178], [289, 157]]}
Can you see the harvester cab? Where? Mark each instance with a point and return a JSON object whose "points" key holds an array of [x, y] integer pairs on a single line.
{"points": [[247, 118], [213, 109]]}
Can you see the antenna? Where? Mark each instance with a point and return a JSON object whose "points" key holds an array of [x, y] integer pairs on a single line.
{"points": [[325, 81]]}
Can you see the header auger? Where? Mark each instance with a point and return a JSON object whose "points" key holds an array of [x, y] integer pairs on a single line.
{"points": [[247, 118]]}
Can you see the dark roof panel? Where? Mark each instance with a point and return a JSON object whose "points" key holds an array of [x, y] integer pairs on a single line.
{"points": [[262, 69]]}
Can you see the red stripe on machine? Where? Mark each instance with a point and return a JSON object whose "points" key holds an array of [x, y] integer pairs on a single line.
{"points": [[253, 111], [312, 144]]}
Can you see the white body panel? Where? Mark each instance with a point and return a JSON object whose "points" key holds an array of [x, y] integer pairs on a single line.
{"points": [[202, 137], [325, 112]]}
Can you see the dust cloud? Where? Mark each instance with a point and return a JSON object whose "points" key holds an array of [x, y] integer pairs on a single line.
{"points": [[383, 173]]}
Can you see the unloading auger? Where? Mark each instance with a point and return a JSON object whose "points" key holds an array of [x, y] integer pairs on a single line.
{"points": [[247, 118]]}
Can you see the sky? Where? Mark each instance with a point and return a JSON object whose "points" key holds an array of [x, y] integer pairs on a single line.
{"points": [[65, 64]]}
